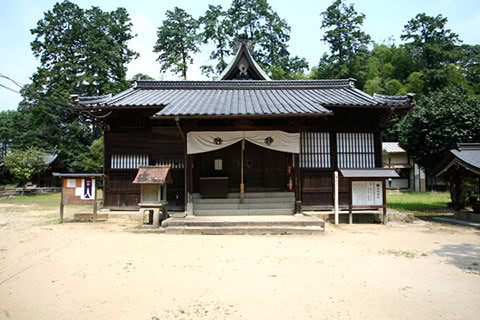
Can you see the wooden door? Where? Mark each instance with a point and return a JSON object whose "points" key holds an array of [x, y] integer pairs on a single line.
{"points": [[265, 169]]}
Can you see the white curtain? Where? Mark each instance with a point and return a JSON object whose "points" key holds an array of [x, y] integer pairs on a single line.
{"points": [[205, 141]]}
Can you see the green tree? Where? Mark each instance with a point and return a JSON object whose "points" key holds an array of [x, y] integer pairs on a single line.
{"points": [[23, 164], [94, 161], [438, 122], [81, 51], [14, 130], [177, 41], [142, 76], [373, 86], [257, 21], [348, 43], [215, 26], [468, 61], [415, 83], [433, 47]]}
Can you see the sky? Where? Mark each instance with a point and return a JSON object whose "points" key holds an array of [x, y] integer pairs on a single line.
{"points": [[385, 21]]}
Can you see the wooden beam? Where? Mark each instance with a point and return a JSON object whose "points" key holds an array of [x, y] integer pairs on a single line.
{"points": [[335, 195], [298, 199], [242, 168], [94, 201], [61, 201], [350, 203], [385, 219]]}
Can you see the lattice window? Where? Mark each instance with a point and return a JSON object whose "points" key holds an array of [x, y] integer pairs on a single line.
{"points": [[315, 150], [174, 164], [355, 150], [128, 161]]}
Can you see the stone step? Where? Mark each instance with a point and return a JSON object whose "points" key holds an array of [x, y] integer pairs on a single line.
{"points": [[246, 200], [273, 194], [240, 212], [243, 206], [274, 221], [250, 230]]}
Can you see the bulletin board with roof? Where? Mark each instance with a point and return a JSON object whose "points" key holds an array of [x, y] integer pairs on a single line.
{"points": [[78, 189]]}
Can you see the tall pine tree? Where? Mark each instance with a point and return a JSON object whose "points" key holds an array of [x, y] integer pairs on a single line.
{"points": [[80, 52], [348, 43], [177, 41]]}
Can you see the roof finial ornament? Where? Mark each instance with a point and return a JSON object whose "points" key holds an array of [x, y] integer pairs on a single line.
{"points": [[351, 82], [243, 40]]}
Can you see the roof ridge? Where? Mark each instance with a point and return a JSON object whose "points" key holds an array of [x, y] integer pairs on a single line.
{"points": [[243, 84]]}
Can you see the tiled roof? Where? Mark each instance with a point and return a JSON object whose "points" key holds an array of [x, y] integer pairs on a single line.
{"points": [[94, 100], [394, 100], [467, 156], [392, 147], [241, 98], [468, 153]]}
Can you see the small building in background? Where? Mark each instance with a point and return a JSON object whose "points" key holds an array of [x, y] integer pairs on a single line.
{"points": [[412, 176], [461, 167]]}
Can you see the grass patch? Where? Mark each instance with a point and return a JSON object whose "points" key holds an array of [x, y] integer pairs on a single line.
{"points": [[419, 203], [42, 200], [45, 201], [399, 253]]}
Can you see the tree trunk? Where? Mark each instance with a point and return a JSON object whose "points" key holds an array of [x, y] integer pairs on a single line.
{"points": [[184, 69]]}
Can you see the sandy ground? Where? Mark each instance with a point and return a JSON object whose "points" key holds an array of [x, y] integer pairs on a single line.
{"points": [[102, 271]]}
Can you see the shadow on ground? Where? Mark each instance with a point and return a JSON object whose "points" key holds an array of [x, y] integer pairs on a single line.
{"points": [[465, 256]]}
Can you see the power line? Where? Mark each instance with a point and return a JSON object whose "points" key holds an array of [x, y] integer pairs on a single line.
{"points": [[8, 78], [8, 88], [33, 96]]}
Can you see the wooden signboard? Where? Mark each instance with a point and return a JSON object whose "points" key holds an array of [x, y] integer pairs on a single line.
{"points": [[78, 191], [367, 194], [78, 188]]}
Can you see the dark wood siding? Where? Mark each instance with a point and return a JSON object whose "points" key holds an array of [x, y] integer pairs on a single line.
{"points": [[134, 133], [130, 135]]}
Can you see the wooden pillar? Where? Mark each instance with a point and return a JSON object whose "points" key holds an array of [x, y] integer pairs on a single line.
{"points": [[242, 165], [335, 195], [61, 201], [350, 203], [185, 178], [333, 160], [94, 200], [189, 187], [298, 187], [378, 149], [106, 169], [384, 191]]}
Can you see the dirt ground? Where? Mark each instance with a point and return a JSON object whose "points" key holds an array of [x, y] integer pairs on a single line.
{"points": [[103, 271]]}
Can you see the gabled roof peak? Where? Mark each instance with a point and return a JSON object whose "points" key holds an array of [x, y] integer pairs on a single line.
{"points": [[243, 66]]}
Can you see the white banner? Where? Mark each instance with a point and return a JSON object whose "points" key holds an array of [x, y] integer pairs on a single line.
{"points": [[205, 141]]}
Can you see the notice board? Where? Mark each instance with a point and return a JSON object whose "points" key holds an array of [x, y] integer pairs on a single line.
{"points": [[78, 190], [367, 193]]}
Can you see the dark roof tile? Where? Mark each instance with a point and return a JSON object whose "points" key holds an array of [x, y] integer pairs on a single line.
{"points": [[252, 97]]}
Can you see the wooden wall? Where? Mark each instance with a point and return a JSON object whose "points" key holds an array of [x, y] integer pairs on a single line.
{"points": [[130, 133], [133, 132]]}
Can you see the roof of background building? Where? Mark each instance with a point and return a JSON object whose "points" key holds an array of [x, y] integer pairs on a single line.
{"points": [[467, 155], [392, 147]]}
